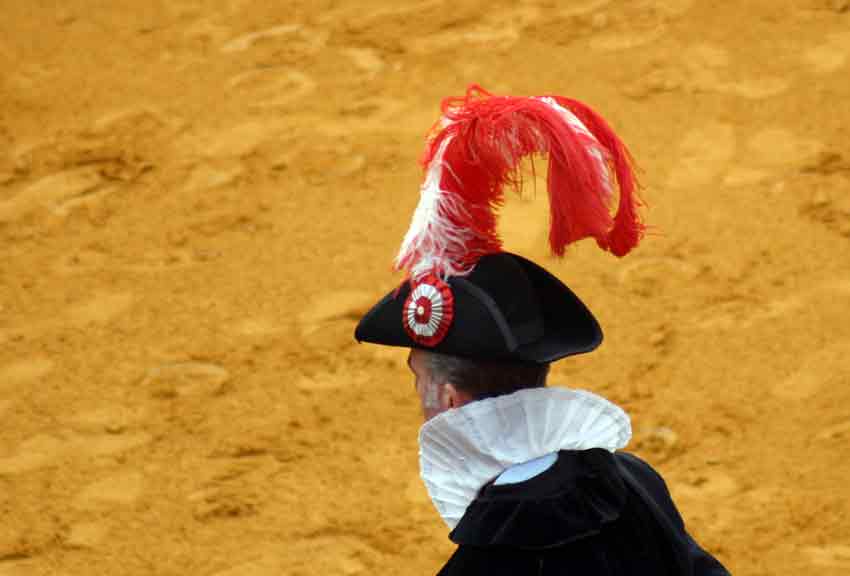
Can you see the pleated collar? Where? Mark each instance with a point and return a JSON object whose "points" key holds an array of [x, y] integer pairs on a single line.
{"points": [[464, 448]]}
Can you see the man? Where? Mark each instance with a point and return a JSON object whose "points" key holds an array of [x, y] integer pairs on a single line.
{"points": [[529, 478]]}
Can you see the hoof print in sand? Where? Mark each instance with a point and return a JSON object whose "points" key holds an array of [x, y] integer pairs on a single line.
{"points": [[23, 372], [101, 309], [222, 504], [57, 193], [271, 88], [86, 535], [121, 489], [837, 556], [187, 379], [661, 442]]}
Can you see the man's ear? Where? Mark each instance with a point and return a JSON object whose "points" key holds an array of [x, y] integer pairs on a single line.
{"points": [[451, 397]]}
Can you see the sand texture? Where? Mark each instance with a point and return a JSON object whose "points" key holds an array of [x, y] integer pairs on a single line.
{"points": [[199, 199]]}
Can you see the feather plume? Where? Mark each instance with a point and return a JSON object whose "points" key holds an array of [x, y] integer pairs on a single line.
{"points": [[475, 151]]}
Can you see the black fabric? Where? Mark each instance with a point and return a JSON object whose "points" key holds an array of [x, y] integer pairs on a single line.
{"points": [[579, 494], [587, 514], [507, 308]]}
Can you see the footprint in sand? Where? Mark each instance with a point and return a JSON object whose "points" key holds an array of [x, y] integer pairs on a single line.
{"points": [[106, 431], [742, 313], [500, 29], [830, 56], [295, 37], [82, 261], [245, 41], [186, 379], [648, 22], [768, 153], [582, 7], [102, 433], [223, 502], [85, 261], [43, 450], [836, 556], [661, 442], [619, 42], [19, 568], [352, 555], [370, 112], [707, 71], [112, 418], [233, 142], [821, 369], [358, 19], [206, 176], [101, 309], [308, 554], [86, 534], [752, 89], [259, 327], [269, 563], [331, 307], [204, 30], [23, 372], [707, 153], [700, 495], [120, 489], [266, 88], [391, 357], [330, 318], [366, 60], [649, 273], [136, 122], [829, 202], [704, 154], [38, 452], [110, 444], [322, 382], [56, 193], [708, 487], [703, 68], [838, 432]]}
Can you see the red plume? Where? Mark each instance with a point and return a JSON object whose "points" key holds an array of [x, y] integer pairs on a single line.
{"points": [[628, 229], [476, 150]]}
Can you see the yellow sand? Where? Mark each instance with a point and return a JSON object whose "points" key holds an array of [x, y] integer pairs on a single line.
{"points": [[198, 201]]}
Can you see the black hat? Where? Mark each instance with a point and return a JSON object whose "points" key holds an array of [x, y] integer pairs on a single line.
{"points": [[466, 297], [507, 308]]}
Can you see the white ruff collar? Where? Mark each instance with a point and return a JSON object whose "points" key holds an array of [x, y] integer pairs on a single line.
{"points": [[462, 449]]}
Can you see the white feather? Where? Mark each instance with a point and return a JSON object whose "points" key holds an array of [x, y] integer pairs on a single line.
{"points": [[438, 242]]}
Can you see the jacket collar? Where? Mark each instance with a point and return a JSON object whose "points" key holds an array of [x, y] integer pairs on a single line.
{"points": [[463, 448]]}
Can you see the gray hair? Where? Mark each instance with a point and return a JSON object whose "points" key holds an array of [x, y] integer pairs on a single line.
{"points": [[486, 378]]}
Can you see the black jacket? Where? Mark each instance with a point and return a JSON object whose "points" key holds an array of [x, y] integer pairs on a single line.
{"points": [[591, 513]]}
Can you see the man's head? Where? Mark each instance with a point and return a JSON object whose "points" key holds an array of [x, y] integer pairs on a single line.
{"points": [[465, 297], [443, 381]]}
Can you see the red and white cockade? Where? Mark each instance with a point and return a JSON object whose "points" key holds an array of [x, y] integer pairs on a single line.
{"points": [[428, 311]]}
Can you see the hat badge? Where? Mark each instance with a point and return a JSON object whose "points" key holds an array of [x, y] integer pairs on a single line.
{"points": [[428, 311]]}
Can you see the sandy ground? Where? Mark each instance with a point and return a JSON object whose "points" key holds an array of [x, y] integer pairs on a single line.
{"points": [[199, 199]]}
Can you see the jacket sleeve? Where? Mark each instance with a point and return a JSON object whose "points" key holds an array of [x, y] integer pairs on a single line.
{"points": [[702, 563]]}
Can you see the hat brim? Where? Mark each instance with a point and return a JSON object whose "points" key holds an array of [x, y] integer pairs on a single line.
{"points": [[568, 326]]}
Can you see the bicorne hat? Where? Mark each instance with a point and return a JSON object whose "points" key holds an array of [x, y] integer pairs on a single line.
{"points": [[463, 295]]}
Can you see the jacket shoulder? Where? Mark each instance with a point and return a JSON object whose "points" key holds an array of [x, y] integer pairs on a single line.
{"points": [[651, 481], [701, 563]]}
